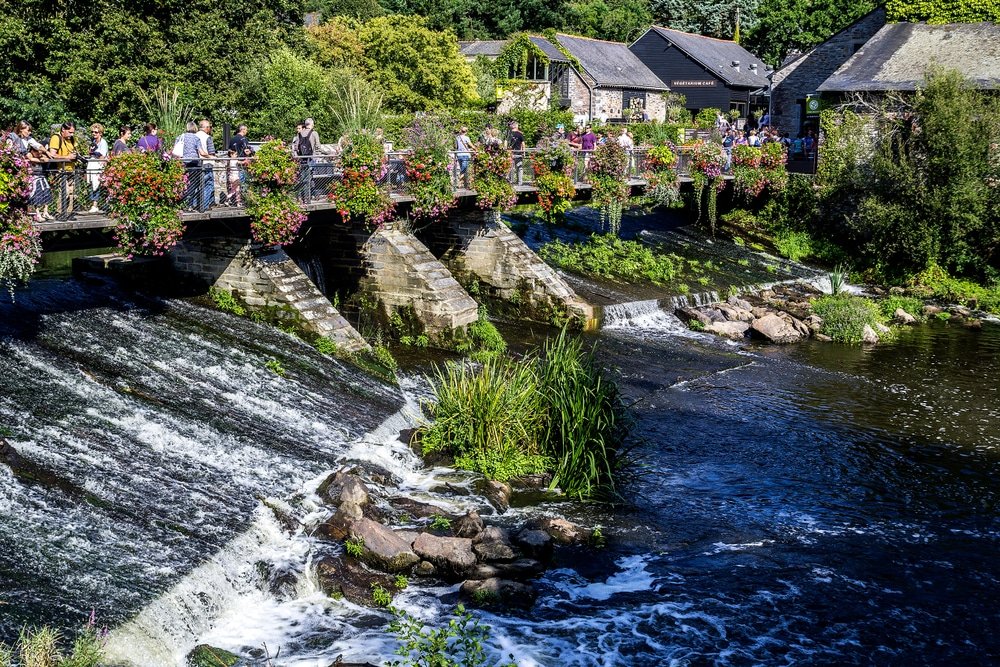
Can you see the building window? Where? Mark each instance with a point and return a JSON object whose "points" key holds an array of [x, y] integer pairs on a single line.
{"points": [[536, 70]]}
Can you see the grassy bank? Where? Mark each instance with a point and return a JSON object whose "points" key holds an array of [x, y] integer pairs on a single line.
{"points": [[552, 411]]}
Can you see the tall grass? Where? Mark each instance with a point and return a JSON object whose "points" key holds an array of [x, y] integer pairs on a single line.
{"points": [[845, 316], [165, 107], [553, 410], [39, 647], [357, 107]]}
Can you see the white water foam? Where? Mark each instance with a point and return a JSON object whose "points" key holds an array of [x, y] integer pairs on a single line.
{"points": [[643, 316]]}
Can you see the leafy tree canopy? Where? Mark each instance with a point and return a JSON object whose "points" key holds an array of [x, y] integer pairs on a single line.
{"points": [[937, 11], [784, 25]]}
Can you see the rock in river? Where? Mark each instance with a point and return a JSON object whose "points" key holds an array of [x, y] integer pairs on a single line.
{"points": [[383, 548]]}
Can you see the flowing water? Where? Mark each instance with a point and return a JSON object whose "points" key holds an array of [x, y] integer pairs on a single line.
{"points": [[811, 504]]}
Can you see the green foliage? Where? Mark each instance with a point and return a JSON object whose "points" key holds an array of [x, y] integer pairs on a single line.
{"points": [[936, 11], [482, 340], [168, 109], [552, 165], [911, 305], [224, 300], [275, 216], [615, 20], [554, 410], [705, 119], [608, 256], [144, 193], [400, 582], [838, 278], [783, 25], [943, 316], [427, 168], [696, 325], [355, 547], [608, 174], [325, 345], [417, 67], [383, 357], [925, 192], [935, 283], [357, 195], [39, 647], [845, 316], [204, 655], [276, 367], [439, 522], [512, 63], [357, 107], [380, 596], [795, 246], [457, 644]]}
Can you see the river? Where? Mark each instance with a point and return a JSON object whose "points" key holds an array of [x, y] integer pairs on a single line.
{"points": [[810, 504]]}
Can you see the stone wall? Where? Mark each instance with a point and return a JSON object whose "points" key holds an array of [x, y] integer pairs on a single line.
{"points": [[803, 76], [402, 273], [264, 280], [477, 245], [607, 103], [579, 95], [656, 106]]}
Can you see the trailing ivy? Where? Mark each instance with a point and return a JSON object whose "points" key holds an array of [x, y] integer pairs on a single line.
{"points": [[515, 56]]}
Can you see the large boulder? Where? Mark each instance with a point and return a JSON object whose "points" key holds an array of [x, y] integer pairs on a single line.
{"points": [[868, 335], [775, 329], [563, 531], [739, 303], [522, 568], [415, 508], [495, 590], [345, 577], [469, 525], [904, 317], [734, 330], [493, 544], [797, 324], [735, 313], [714, 314], [497, 493], [930, 310], [450, 555], [535, 543], [338, 527], [342, 487], [686, 314], [382, 548], [814, 322]]}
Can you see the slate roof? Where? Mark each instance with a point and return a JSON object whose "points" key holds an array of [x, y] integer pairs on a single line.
{"points": [[611, 64], [491, 48], [898, 56], [717, 56]]}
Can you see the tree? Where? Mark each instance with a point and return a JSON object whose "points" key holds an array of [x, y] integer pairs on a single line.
{"points": [[954, 11], [335, 43], [783, 25], [615, 20], [417, 68], [715, 18]]}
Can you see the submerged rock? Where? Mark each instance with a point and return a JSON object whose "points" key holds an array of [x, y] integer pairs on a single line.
{"points": [[451, 555], [382, 547], [415, 508], [346, 577], [487, 591], [204, 655], [522, 568], [775, 329]]}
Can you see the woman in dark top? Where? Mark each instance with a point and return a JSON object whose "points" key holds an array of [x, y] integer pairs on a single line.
{"points": [[121, 143]]}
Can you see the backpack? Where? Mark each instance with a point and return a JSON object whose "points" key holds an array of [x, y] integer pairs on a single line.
{"points": [[304, 145]]}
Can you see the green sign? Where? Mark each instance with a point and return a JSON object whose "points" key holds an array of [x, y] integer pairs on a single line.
{"points": [[814, 104]]}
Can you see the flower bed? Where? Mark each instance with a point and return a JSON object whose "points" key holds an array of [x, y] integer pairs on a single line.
{"points": [[358, 194], [275, 217], [552, 165], [144, 194]]}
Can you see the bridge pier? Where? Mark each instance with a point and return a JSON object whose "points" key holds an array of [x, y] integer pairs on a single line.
{"points": [[478, 246], [265, 280], [402, 273]]}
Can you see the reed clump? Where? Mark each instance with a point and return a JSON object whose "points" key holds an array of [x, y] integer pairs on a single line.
{"points": [[550, 411]]}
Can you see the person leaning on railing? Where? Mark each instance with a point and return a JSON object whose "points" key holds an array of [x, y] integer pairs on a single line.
{"points": [[41, 194], [95, 164], [62, 147]]}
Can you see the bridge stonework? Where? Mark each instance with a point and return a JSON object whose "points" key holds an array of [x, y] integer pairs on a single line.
{"points": [[268, 280], [402, 273]]}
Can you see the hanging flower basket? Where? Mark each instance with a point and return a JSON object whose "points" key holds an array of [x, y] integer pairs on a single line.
{"points": [[144, 193]]}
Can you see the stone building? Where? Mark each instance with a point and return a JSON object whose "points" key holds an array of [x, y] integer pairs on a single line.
{"points": [[900, 55], [800, 76], [709, 72], [595, 79]]}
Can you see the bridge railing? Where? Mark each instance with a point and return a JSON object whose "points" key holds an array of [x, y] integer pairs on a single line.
{"points": [[70, 189]]}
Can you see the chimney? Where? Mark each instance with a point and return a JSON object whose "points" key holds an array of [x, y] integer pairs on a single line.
{"points": [[736, 65], [753, 67]]}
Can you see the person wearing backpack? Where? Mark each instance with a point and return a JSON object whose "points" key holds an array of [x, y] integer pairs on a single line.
{"points": [[62, 146], [305, 146]]}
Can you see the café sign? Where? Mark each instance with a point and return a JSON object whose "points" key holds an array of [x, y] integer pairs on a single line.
{"points": [[693, 83]]}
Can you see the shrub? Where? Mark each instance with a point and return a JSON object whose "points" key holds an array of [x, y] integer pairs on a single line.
{"points": [[459, 643], [553, 165], [845, 316], [428, 168], [355, 547], [357, 194], [380, 596], [608, 256], [911, 305], [225, 301], [608, 173], [482, 340], [793, 245], [935, 283], [552, 410]]}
